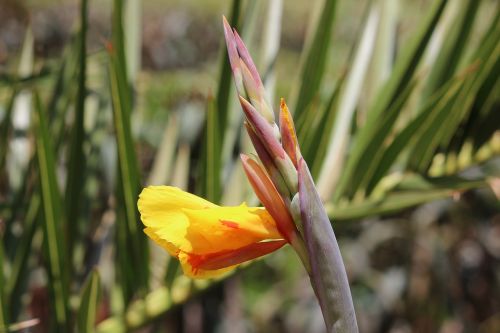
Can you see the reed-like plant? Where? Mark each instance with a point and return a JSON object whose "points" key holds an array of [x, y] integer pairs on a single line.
{"points": [[397, 128]]}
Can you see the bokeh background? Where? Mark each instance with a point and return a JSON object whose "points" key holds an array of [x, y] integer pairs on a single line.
{"points": [[397, 108]]}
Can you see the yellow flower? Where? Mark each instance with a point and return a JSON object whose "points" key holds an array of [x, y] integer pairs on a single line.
{"points": [[208, 240]]}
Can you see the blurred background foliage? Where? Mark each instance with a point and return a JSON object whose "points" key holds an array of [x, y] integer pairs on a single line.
{"points": [[397, 108]]}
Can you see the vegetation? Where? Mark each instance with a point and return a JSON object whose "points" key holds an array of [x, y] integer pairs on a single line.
{"points": [[409, 121]]}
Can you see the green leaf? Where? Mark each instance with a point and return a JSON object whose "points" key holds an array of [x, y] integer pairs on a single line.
{"points": [[314, 62], [5, 128], [372, 153], [77, 162], [213, 158], [132, 245], [4, 322], [389, 95], [19, 269], [412, 131], [453, 48], [88, 304], [411, 192], [318, 144], [225, 77], [354, 87], [440, 132], [54, 220]]}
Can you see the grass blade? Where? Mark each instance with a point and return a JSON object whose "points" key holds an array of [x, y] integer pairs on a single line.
{"points": [[212, 189], [88, 304], [314, 61], [409, 133], [4, 322], [441, 132], [53, 219], [225, 78], [18, 274], [77, 162], [389, 94], [412, 191], [5, 129], [452, 49], [337, 145], [132, 245]]}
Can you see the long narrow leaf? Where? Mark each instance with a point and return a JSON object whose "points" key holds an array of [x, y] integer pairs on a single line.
{"points": [[18, 274], [411, 192], [390, 92], [213, 146], [89, 303], [225, 84], [4, 322], [337, 145], [77, 161], [410, 132], [315, 57], [53, 219], [453, 48], [5, 128], [132, 245]]}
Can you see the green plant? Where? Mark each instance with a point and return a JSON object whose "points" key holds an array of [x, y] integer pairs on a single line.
{"points": [[389, 133]]}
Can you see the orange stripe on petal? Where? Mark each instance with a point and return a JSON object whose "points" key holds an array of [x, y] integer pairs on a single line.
{"points": [[224, 259]]}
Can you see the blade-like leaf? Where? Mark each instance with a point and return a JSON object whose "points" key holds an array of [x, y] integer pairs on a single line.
{"points": [[451, 52], [5, 128], [390, 93], [4, 322], [53, 219], [339, 139], [132, 245], [213, 150], [315, 56], [89, 303], [225, 84], [409, 133], [412, 192], [18, 274], [441, 131], [77, 162]]}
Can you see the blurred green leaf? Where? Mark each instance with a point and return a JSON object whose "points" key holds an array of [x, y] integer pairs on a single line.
{"points": [[54, 220], [89, 303], [19, 268], [315, 56], [411, 192], [372, 153], [389, 95], [77, 162], [225, 77], [348, 104], [132, 245], [5, 128], [4, 322], [411, 132], [213, 153], [452, 50], [441, 131], [315, 144]]}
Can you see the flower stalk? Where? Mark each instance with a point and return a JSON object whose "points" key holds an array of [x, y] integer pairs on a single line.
{"points": [[284, 185]]}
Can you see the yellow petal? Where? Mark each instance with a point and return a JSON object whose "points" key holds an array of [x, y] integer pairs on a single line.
{"points": [[227, 228], [160, 203], [180, 221]]}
